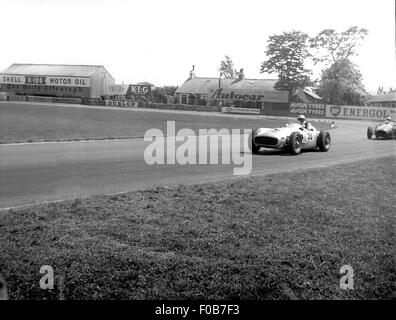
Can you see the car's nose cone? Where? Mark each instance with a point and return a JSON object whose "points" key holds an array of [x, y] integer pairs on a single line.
{"points": [[266, 140]]}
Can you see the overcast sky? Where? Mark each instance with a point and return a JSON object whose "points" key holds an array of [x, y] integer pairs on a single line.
{"points": [[159, 41]]}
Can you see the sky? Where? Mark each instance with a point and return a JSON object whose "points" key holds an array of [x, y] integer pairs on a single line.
{"points": [[158, 41]]}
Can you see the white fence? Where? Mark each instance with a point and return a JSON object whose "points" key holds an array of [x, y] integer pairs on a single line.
{"points": [[240, 110]]}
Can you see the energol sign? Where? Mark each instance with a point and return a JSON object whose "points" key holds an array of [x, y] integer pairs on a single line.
{"points": [[359, 112]]}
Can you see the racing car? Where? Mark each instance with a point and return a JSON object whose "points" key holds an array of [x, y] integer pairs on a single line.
{"points": [[293, 137], [383, 130]]}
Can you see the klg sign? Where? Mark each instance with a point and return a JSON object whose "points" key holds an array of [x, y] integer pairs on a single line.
{"points": [[139, 89]]}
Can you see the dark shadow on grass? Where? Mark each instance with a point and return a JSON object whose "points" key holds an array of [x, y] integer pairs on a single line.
{"points": [[272, 152], [302, 151], [279, 152]]}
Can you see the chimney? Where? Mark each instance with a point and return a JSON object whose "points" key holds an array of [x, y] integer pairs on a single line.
{"points": [[192, 73], [240, 74]]}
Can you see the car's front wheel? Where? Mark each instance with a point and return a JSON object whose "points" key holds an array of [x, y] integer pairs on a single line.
{"points": [[370, 132], [394, 132], [295, 143], [255, 149], [324, 141]]}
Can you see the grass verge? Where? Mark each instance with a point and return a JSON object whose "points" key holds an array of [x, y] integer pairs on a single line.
{"points": [[34, 123], [275, 237]]}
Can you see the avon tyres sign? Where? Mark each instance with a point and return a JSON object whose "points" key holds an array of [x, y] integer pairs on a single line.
{"points": [[359, 112], [311, 109], [58, 81]]}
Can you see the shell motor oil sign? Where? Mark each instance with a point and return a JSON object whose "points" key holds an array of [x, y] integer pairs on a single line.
{"points": [[60, 81]]}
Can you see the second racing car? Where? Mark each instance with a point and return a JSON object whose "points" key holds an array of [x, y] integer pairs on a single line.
{"points": [[383, 130]]}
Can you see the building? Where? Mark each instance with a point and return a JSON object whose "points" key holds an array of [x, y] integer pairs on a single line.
{"points": [[238, 92], [383, 100], [57, 80], [306, 95]]}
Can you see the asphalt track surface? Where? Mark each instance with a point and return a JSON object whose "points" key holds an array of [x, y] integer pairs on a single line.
{"points": [[32, 173]]}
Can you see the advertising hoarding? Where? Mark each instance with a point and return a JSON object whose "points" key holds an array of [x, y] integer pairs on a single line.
{"points": [[59, 81], [121, 103], [242, 94], [360, 112], [46, 90], [139, 89], [311, 109]]}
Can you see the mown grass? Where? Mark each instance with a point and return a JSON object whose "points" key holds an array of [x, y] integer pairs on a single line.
{"points": [[280, 236], [32, 123]]}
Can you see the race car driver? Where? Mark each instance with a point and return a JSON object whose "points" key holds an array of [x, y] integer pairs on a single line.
{"points": [[303, 122]]}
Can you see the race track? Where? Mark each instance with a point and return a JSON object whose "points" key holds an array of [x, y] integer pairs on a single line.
{"points": [[42, 172]]}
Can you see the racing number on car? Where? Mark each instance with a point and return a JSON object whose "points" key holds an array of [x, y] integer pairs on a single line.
{"points": [[310, 136]]}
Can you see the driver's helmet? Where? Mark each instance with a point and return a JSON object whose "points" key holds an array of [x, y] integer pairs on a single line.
{"points": [[301, 118], [389, 119]]}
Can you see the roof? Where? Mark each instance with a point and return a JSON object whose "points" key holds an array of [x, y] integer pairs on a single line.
{"points": [[391, 97], [205, 85], [312, 94], [54, 69]]}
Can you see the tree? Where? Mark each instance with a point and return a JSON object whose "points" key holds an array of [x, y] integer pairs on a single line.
{"points": [[163, 94], [146, 83], [332, 46], [158, 95], [227, 68], [341, 84], [341, 80], [287, 55], [170, 90]]}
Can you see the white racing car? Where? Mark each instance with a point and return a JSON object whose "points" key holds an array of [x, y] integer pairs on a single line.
{"points": [[293, 137]]}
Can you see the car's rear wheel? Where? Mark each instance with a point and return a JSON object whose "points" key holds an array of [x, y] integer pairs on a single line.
{"points": [[255, 149], [295, 143], [370, 132], [324, 141], [394, 132]]}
